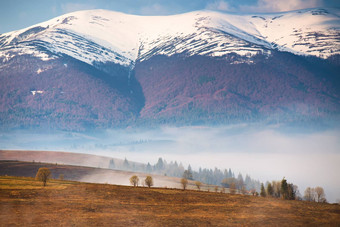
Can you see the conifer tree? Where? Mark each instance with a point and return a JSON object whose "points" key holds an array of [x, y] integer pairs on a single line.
{"points": [[284, 188], [270, 190], [126, 164], [148, 168], [160, 164], [112, 164], [188, 174], [263, 192]]}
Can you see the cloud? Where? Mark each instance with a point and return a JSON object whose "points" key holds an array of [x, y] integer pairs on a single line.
{"points": [[265, 6], [219, 5], [281, 6], [155, 9], [71, 7]]}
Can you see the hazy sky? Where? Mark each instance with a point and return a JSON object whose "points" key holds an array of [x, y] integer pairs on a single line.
{"points": [[17, 14]]}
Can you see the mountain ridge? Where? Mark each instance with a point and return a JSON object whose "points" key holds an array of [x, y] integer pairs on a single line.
{"points": [[102, 69], [138, 36]]}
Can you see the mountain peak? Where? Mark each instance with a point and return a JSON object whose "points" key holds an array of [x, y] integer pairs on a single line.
{"points": [[108, 36], [99, 68]]}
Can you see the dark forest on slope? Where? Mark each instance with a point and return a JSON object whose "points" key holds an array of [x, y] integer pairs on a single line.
{"points": [[66, 94]]}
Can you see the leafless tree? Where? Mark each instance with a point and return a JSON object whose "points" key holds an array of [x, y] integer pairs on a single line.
{"points": [[276, 188], [320, 194], [309, 194]]}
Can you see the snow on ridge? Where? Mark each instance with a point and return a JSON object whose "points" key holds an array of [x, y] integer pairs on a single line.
{"points": [[108, 36], [305, 32]]}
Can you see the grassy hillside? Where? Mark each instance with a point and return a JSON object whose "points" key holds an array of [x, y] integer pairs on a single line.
{"points": [[24, 201], [67, 158], [90, 174]]}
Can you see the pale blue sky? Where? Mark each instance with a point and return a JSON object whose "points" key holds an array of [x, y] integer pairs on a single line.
{"points": [[17, 14]]}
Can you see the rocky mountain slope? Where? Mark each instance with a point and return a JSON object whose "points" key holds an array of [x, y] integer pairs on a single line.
{"points": [[102, 69]]}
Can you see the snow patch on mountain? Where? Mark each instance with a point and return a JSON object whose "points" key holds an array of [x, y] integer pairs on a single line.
{"points": [[304, 32], [107, 36]]}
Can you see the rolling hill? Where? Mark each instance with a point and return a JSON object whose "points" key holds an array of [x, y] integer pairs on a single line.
{"points": [[88, 174]]}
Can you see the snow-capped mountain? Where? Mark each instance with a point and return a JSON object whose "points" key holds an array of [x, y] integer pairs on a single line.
{"points": [[103, 69], [107, 36]]}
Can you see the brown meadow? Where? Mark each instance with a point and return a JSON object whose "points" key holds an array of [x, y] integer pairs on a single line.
{"points": [[25, 202]]}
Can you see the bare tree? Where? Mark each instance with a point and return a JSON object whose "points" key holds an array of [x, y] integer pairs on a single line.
{"points": [[184, 183], [309, 194], [149, 181], [134, 180], [43, 175], [276, 188], [320, 194], [216, 188], [198, 185]]}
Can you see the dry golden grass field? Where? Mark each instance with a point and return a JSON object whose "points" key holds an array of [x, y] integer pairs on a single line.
{"points": [[25, 202], [90, 174]]}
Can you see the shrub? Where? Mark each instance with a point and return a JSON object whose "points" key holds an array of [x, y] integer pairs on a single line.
{"points": [[198, 185], [43, 175], [149, 181], [134, 180], [184, 183]]}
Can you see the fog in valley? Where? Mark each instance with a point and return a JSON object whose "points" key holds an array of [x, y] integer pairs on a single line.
{"points": [[305, 158]]}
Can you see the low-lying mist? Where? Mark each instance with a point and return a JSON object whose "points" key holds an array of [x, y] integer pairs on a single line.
{"points": [[305, 158]]}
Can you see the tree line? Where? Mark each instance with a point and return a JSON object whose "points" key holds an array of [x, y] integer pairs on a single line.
{"points": [[316, 194], [280, 189], [208, 176], [277, 189]]}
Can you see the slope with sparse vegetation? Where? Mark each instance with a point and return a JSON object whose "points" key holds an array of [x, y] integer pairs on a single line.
{"points": [[24, 201]]}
